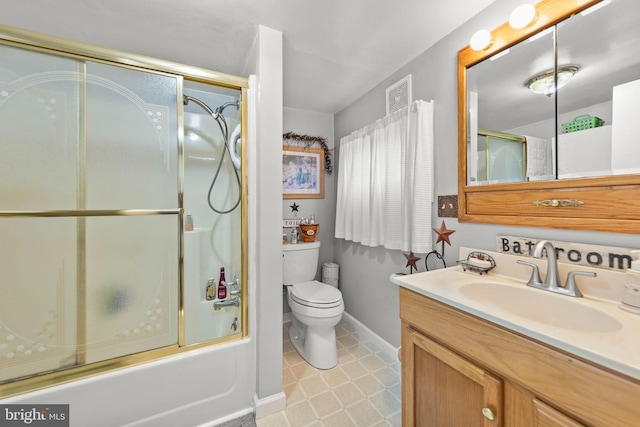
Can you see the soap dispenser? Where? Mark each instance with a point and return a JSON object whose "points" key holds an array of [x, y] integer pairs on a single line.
{"points": [[631, 296]]}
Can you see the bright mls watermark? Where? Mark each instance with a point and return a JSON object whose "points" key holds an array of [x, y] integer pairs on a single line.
{"points": [[34, 415]]}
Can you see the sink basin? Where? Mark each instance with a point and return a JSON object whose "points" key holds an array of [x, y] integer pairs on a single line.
{"points": [[541, 306]]}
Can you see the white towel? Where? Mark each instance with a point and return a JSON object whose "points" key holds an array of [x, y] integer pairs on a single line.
{"points": [[539, 159]]}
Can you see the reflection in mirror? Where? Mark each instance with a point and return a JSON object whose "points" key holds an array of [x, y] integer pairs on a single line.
{"points": [[500, 103], [598, 109], [501, 157], [590, 129]]}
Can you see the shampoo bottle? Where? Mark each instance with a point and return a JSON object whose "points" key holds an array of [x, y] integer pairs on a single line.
{"points": [[222, 285], [211, 290]]}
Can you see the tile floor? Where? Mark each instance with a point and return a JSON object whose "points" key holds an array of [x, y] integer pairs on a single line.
{"points": [[362, 390]]}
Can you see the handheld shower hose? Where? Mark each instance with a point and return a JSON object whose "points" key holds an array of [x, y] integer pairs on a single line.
{"points": [[222, 124]]}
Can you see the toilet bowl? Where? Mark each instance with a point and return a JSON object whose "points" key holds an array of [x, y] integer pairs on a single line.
{"points": [[316, 310], [316, 307]]}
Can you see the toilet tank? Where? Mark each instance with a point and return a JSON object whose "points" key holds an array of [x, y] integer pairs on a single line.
{"points": [[300, 262]]}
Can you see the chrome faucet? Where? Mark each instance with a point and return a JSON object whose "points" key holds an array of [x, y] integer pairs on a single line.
{"points": [[553, 278], [235, 300], [552, 281]]}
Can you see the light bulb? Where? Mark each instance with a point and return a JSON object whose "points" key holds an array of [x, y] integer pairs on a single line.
{"points": [[522, 16], [481, 40]]}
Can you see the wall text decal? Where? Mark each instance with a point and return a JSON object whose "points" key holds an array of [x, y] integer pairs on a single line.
{"points": [[608, 257]]}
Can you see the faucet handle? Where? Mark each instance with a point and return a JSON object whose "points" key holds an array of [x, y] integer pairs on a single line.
{"points": [[570, 285], [535, 279]]}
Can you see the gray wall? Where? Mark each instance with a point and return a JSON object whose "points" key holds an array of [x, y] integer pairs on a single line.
{"points": [[364, 274]]}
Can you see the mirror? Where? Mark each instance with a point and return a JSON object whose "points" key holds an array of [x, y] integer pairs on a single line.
{"points": [[602, 66], [565, 158]]}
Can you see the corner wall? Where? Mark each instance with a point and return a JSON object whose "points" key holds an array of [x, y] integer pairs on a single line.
{"points": [[265, 218]]}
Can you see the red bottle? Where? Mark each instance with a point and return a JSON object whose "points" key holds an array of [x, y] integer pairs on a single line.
{"points": [[222, 285]]}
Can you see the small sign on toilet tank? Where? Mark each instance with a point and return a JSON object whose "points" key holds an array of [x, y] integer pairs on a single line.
{"points": [[291, 222]]}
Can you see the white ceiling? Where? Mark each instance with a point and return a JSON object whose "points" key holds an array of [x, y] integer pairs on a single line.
{"points": [[334, 50]]}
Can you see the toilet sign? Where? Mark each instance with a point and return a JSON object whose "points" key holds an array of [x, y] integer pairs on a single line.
{"points": [[608, 257], [291, 222]]}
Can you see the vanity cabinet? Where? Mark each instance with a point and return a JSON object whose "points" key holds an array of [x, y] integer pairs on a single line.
{"points": [[461, 370], [441, 383]]}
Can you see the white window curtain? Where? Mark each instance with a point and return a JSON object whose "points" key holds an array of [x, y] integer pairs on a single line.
{"points": [[385, 181]]}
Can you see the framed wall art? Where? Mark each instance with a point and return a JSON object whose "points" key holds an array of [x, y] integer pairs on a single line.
{"points": [[302, 173]]}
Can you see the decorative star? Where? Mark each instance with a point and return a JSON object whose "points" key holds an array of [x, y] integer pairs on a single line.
{"points": [[443, 234], [411, 261], [294, 207]]}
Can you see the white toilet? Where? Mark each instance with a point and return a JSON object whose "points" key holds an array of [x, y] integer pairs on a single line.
{"points": [[316, 307]]}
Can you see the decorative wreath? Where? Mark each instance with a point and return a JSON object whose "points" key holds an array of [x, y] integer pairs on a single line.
{"points": [[308, 141]]}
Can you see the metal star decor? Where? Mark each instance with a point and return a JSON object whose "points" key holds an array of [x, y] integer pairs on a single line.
{"points": [[443, 234], [411, 261], [294, 208]]}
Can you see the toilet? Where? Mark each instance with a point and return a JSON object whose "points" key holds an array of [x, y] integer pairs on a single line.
{"points": [[316, 307]]}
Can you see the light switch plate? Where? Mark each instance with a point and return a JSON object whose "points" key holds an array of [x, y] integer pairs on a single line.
{"points": [[448, 206]]}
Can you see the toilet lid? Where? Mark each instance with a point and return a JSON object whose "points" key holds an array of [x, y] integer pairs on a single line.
{"points": [[316, 293]]}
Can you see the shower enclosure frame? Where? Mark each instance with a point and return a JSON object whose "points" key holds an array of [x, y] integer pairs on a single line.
{"points": [[68, 48]]}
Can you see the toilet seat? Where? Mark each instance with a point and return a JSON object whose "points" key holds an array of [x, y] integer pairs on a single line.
{"points": [[316, 294]]}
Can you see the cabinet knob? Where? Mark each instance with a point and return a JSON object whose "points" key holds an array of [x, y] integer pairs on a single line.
{"points": [[488, 414]]}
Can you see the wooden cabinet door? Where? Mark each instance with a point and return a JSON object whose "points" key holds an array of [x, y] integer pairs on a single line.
{"points": [[442, 389], [546, 416]]}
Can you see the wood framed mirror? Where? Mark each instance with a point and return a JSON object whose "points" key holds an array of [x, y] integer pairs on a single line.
{"points": [[576, 184]]}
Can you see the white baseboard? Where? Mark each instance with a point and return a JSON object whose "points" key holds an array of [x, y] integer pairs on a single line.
{"points": [[270, 405], [369, 334]]}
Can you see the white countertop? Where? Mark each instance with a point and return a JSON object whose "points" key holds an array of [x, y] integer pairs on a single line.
{"points": [[614, 343]]}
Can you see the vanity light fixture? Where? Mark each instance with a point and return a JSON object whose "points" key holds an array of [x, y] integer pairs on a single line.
{"points": [[523, 16], [481, 40], [545, 83]]}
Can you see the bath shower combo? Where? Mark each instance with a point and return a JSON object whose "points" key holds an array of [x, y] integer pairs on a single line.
{"points": [[94, 184]]}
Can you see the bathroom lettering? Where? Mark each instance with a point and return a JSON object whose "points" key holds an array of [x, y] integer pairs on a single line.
{"points": [[592, 255]]}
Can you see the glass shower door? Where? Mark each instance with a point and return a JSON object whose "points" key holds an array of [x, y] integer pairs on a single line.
{"points": [[131, 264], [38, 171], [210, 181], [88, 212]]}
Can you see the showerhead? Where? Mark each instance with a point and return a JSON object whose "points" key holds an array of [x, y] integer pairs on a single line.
{"points": [[235, 103]]}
